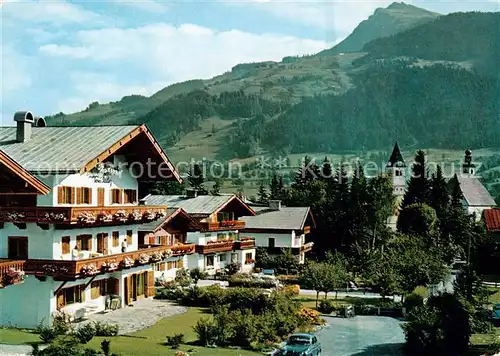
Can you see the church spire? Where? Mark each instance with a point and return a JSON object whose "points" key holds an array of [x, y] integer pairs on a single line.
{"points": [[396, 159], [468, 167]]}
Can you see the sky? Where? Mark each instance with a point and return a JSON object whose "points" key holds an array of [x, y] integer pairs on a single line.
{"points": [[60, 55]]}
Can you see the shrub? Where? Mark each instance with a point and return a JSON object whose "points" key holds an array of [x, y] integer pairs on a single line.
{"points": [[412, 301], [326, 306], [310, 317], [47, 334], [61, 323], [104, 329], [232, 268], [106, 347], [197, 274], [365, 309], [291, 290], [251, 283], [169, 293], [182, 277], [175, 340], [206, 330], [85, 333]]}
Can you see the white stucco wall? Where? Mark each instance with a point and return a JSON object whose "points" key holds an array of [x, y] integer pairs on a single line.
{"points": [[170, 274], [47, 244], [123, 181], [478, 210], [282, 240]]}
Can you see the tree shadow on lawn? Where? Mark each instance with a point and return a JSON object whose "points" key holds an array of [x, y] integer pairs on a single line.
{"points": [[382, 350]]}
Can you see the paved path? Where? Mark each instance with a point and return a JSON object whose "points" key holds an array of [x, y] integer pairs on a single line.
{"points": [[362, 336], [141, 315]]}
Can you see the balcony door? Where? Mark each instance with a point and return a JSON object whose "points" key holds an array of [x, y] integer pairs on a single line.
{"points": [[18, 248], [102, 243]]}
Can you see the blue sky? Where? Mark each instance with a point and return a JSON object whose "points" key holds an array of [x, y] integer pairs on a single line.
{"points": [[59, 55]]}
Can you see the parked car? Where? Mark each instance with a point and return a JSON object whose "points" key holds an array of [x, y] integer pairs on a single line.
{"points": [[301, 345], [495, 314]]}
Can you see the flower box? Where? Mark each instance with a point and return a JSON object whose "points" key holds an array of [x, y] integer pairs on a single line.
{"points": [[156, 257], [13, 276], [127, 262], [86, 218], [148, 216], [103, 217], [89, 270], [144, 258], [109, 266], [120, 215], [135, 216]]}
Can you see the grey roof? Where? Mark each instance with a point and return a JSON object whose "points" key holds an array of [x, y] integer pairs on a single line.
{"points": [[60, 148], [474, 191], [287, 218], [201, 205], [153, 225]]}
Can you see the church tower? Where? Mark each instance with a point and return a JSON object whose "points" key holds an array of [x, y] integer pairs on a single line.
{"points": [[396, 169], [468, 168]]}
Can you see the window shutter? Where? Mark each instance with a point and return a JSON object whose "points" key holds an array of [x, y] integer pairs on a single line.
{"points": [[120, 196], [163, 240], [126, 196], [152, 239], [60, 195], [90, 242], [78, 195], [151, 284], [72, 192]]}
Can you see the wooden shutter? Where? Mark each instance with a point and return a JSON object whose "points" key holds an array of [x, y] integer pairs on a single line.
{"points": [[90, 195], [163, 240], [72, 193], [120, 196], [150, 284], [60, 195], [162, 266], [105, 249], [130, 289], [152, 239], [65, 240], [180, 263], [100, 196], [126, 196], [82, 293], [79, 195], [90, 242]]}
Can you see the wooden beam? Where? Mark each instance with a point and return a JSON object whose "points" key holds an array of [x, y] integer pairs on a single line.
{"points": [[17, 170], [60, 287]]}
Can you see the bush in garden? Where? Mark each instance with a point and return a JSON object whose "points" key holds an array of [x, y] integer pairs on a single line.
{"points": [[105, 329], [175, 340], [183, 278], [196, 274], [106, 347], [206, 330], [326, 306], [291, 290], [412, 301], [232, 268], [46, 333], [61, 323], [85, 333], [169, 293], [310, 317], [251, 283]]}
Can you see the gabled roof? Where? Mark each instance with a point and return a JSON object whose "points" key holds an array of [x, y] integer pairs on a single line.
{"points": [[74, 149], [474, 192], [171, 213], [492, 219], [287, 218], [200, 206], [396, 159], [7, 164]]}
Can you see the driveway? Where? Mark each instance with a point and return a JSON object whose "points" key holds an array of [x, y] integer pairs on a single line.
{"points": [[362, 336]]}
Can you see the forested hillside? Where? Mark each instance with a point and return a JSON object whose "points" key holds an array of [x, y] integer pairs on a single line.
{"points": [[433, 85]]}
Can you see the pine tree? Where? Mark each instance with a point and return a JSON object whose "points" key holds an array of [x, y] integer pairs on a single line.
{"points": [[326, 170], [263, 197], [419, 187], [216, 188], [196, 179], [274, 188], [439, 199], [307, 173]]}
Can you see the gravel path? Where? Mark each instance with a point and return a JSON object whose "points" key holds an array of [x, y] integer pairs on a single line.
{"points": [[141, 315]]}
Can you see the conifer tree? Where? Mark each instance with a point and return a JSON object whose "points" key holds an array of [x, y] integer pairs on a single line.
{"points": [[274, 187], [196, 179], [216, 188], [326, 170], [263, 197], [439, 198], [419, 187]]}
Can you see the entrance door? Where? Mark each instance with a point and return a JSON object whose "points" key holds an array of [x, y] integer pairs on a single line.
{"points": [[18, 248], [100, 196], [102, 243]]}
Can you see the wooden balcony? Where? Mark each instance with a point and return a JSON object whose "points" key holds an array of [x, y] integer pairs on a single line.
{"points": [[11, 272], [107, 215], [245, 245], [307, 247], [62, 270], [214, 247], [223, 225]]}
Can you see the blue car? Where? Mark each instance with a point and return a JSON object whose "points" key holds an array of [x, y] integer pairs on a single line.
{"points": [[301, 345], [495, 314]]}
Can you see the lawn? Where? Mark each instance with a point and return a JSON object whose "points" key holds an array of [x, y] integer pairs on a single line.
{"points": [[148, 341]]}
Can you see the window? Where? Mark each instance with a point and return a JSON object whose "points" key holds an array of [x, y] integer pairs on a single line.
{"points": [[234, 257], [221, 236], [83, 195], [66, 195], [140, 283], [70, 295], [116, 238], [156, 267], [271, 242], [130, 196], [84, 242], [116, 196], [18, 247], [129, 237], [225, 216], [248, 258], [65, 240], [102, 243], [98, 288], [209, 261], [222, 258]]}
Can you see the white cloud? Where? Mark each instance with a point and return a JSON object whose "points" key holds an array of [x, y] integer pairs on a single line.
{"points": [[180, 53], [14, 71], [145, 5], [54, 12]]}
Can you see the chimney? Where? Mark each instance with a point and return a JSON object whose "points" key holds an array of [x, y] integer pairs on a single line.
{"points": [[25, 121], [275, 204], [191, 193]]}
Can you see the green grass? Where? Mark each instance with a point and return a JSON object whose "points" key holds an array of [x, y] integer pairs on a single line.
{"points": [[149, 341]]}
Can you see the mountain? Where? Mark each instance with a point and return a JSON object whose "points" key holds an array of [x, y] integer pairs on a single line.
{"points": [[385, 22], [433, 85]]}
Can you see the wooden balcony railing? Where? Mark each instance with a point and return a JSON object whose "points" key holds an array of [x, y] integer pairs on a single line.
{"points": [[244, 245], [223, 225], [82, 215], [307, 247], [11, 272], [219, 246], [62, 270]]}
